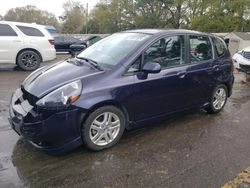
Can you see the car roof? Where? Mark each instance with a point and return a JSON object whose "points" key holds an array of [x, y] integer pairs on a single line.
{"points": [[20, 23], [166, 31], [34, 25]]}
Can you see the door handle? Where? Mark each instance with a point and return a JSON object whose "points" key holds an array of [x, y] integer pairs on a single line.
{"points": [[17, 40], [181, 74], [216, 67]]}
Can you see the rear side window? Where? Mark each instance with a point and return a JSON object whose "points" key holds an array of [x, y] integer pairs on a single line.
{"points": [[219, 47], [200, 49], [30, 31], [71, 40], [59, 39], [6, 30]]}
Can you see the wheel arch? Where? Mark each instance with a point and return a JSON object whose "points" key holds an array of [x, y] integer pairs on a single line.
{"points": [[228, 88], [29, 49], [109, 103]]}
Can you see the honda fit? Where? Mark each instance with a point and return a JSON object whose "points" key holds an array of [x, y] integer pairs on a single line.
{"points": [[121, 82]]}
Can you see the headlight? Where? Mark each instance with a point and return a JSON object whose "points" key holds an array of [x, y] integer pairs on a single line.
{"points": [[62, 97]]}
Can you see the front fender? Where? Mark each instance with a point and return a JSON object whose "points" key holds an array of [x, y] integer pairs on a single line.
{"points": [[88, 102]]}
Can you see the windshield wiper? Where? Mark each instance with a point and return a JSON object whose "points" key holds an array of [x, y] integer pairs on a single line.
{"points": [[91, 62]]}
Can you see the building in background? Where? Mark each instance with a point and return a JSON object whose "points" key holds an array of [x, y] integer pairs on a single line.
{"points": [[237, 41]]}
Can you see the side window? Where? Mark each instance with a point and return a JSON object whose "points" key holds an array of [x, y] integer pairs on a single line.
{"points": [[71, 40], [30, 31], [219, 47], [168, 52], [200, 49], [58, 39], [135, 67], [6, 30]]}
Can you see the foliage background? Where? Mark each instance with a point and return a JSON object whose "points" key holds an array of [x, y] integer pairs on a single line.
{"points": [[110, 16]]}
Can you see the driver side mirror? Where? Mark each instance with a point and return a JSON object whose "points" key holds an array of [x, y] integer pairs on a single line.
{"points": [[149, 68]]}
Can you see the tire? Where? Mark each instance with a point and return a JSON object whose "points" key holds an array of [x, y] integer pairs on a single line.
{"points": [[103, 128], [28, 60], [220, 94]]}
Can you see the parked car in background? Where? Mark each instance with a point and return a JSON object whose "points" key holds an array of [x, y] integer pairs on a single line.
{"points": [[26, 45], [76, 49], [63, 43], [242, 60], [124, 81], [89, 40]]}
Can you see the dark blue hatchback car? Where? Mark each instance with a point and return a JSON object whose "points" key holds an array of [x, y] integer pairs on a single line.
{"points": [[118, 83]]}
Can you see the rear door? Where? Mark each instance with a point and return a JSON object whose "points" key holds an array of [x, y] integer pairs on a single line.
{"points": [[222, 67], [10, 42], [200, 76]]}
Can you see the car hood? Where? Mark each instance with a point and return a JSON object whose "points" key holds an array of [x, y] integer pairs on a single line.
{"points": [[49, 78]]}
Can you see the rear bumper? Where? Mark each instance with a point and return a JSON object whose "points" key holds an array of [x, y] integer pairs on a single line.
{"points": [[56, 133], [49, 54]]}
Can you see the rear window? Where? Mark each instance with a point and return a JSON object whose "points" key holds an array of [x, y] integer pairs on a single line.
{"points": [[30, 31], [200, 49], [6, 30], [219, 47]]}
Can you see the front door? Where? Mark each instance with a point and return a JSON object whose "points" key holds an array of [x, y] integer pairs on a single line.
{"points": [[161, 93]]}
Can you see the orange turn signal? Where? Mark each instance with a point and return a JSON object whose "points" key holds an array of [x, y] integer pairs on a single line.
{"points": [[74, 98]]}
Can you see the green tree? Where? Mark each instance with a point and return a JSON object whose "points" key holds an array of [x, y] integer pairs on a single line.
{"points": [[223, 16], [149, 14], [204, 15], [73, 18], [31, 14], [106, 16]]}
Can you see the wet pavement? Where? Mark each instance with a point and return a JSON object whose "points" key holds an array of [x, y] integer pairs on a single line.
{"points": [[195, 150]]}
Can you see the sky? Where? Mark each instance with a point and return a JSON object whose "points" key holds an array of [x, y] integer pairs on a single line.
{"points": [[53, 6]]}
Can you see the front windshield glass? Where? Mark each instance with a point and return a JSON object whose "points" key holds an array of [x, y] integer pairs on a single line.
{"points": [[111, 50]]}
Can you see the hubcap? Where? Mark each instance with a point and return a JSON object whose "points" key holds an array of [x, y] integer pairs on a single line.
{"points": [[219, 98], [29, 60], [104, 129]]}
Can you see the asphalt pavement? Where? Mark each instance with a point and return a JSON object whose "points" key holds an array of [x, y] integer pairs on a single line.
{"points": [[194, 150]]}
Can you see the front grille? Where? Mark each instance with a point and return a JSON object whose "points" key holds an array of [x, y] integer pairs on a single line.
{"points": [[29, 97], [246, 55], [245, 68]]}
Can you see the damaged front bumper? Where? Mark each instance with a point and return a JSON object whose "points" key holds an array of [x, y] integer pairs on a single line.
{"points": [[50, 130]]}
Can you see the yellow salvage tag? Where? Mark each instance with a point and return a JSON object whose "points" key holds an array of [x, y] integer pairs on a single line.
{"points": [[238, 180]]}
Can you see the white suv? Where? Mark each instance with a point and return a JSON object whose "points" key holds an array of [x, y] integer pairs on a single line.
{"points": [[25, 44]]}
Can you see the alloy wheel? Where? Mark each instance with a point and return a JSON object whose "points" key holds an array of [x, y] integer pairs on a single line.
{"points": [[219, 98], [29, 60], [104, 128]]}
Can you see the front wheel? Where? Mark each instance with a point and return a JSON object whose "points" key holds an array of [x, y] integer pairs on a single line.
{"points": [[218, 100], [103, 128]]}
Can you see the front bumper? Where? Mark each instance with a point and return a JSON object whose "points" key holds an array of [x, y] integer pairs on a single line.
{"points": [[51, 131]]}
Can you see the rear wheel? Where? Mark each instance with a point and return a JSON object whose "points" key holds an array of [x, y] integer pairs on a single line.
{"points": [[218, 100], [103, 128], [28, 60]]}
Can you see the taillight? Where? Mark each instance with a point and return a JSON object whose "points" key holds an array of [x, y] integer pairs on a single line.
{"points": [[52, 41]]}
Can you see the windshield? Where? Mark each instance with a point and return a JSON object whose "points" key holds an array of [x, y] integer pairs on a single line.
{"points": [[111, 50]]}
